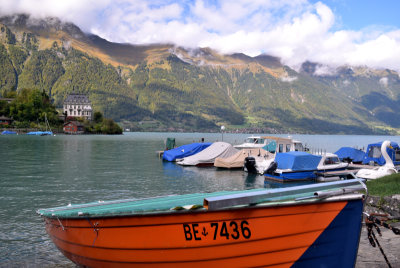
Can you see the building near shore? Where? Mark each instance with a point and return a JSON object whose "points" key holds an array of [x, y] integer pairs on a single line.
{"points": [[74, 127], [78, 105], [6, 121]]}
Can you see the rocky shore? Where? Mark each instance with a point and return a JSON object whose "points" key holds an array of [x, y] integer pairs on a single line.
{"points": [[369, 256]]}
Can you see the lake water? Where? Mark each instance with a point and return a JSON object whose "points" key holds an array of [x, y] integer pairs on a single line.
{"points": [[41, 172]]}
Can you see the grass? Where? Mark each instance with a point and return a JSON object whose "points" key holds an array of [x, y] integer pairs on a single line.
{"points": [[385, 186]]}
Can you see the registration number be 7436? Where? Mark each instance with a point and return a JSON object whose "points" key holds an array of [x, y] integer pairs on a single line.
{"points": [[226, 229]]}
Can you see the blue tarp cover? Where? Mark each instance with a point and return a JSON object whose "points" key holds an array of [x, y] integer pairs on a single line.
{"points": [[297, 161], [373, 153], [40, 133], [354, 154], [184, 151], [6, 132]]}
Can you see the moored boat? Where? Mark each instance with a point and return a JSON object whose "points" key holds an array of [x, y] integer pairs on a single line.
{"points": [[8, 132], [388, 167], [374, 153], [252, 142], [40, 133], [237, 160], [315, 225], [302, 166], [183, 151], [350, 155], [207, 156], [260, 163], [46, 132]]}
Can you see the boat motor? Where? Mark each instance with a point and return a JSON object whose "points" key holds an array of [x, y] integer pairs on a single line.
{"points": [[272, 167], [250, 164]]}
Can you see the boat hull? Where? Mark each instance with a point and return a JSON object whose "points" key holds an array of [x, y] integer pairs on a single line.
{"points": [[291, 176], [305, 235]]}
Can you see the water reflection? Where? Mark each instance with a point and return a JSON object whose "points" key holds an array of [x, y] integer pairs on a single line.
{"points": [[251, 180], [211, 178]]}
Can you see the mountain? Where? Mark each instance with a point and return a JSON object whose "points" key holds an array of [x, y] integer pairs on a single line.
{"points": [[166, 87]]}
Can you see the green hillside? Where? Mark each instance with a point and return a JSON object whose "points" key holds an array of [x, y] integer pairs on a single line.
{"points": [[162, 87]]}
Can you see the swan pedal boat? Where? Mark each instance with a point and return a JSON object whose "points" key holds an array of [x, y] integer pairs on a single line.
{"points": [[387, 169], [316, 225]]}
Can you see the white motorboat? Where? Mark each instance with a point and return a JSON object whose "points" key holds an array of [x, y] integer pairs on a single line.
{"points": [[259, 164], [331, 161], [252, 143], [300, 166], [378, 172]]}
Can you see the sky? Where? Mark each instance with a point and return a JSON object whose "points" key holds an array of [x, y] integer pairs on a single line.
{"points": [[331, 32]]}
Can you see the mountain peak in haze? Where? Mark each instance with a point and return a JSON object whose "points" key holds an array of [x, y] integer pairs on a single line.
{"points": [[48, 24]]}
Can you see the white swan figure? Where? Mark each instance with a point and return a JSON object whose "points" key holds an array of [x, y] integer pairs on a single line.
{"points": [[387, 169]]}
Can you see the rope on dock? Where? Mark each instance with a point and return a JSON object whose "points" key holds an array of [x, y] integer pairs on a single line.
{"points": [[372, 221]]}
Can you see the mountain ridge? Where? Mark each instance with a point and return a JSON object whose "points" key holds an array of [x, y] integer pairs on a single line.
{"points": [[181, 89]]}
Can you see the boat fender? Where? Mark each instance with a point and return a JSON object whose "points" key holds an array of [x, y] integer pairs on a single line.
{"points": [[272, 167]]}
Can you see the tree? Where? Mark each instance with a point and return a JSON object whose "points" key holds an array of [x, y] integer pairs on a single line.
{"points": [[33, 105], [97, 117]]}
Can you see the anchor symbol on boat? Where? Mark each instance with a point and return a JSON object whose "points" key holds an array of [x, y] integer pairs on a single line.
{"points": [[204, 233]]}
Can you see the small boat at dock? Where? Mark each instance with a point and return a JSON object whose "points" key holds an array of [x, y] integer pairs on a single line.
{"points": [[314, 225], [386, 169], [183, 151], [302, 166], [9, 132], [40, 133], [207, 156], [258, 164], [46, 132], [252, 142], [375, 154], [350, 155], [237, 160]]}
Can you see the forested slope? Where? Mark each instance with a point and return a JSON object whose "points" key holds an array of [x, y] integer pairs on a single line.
{"points": [[164, 87]]}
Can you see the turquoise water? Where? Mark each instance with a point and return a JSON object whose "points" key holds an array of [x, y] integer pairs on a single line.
{"points": [[45, 171]]}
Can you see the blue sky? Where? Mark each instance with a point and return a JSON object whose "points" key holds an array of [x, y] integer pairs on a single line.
{"points": [[359, 14], [331, 32]]}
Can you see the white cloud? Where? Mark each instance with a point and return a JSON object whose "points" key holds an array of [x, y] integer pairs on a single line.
{"points": [[288, 79], [325, 70], [294, 30], [384, 81]]}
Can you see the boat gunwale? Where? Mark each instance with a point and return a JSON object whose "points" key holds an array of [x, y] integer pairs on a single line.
{"points": [[261, 205]]}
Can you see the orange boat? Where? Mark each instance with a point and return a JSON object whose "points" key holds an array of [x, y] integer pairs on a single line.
{"points": [[305, 226]]}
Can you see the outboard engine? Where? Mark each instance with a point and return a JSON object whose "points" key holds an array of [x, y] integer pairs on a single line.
{"points": [[250, 164], [272, 167]]}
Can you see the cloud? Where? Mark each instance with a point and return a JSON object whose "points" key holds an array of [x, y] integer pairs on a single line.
{"points": [[293, 30], [288, 79], [384, 81], [325, 70]]}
